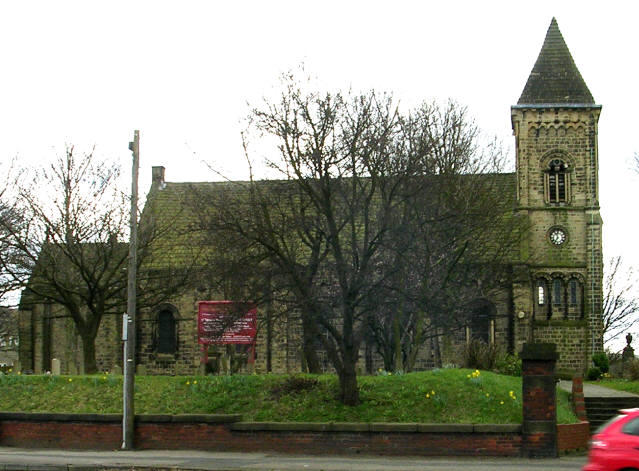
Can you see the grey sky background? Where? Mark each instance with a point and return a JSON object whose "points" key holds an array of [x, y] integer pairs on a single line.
{"points": [[88, 73]]}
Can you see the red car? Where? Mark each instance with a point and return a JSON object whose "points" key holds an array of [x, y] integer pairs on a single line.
{"points": [[615, 445]]}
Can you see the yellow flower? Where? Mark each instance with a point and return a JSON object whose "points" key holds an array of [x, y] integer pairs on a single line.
{"points": [[432, 392], [70, 379], [10, 370], [188, 382], [501, 402], [427, 396], [19, 373], [467, 376], [195, 382], [104, 377], [487, 394]]}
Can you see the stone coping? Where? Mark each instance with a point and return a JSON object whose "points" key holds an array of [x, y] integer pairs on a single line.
{"points": [[117, 418], [379, 427], [237, 425]]}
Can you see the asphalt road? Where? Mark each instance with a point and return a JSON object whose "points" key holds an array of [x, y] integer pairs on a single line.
{"points": [[57, 460]]}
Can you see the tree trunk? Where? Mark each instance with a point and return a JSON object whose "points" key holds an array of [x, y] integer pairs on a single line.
{"points": [[438, 352], [398, 364], [88, 354], [310, 347], [349, 392]]}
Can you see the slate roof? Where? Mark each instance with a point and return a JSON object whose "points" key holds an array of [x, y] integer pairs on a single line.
{"points": [[170, 206], [555, 78]]}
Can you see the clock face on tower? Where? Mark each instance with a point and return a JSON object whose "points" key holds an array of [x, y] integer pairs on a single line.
{"points": [[557, 236]]}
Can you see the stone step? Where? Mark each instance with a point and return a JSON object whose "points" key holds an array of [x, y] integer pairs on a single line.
{"points": [[601, 409]]}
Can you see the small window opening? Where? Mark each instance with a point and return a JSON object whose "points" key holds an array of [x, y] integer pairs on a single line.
{"points": [[166, 332], [541, 294], [556, 295], [573, 292]]}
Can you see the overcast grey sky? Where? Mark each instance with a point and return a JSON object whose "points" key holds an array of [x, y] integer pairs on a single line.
{"points": [[89, 73]]}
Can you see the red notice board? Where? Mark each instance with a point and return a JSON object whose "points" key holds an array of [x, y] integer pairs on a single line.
{"points": [[226, 322]]}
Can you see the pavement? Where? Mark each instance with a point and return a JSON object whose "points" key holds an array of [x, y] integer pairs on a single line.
{"points": [[12, 459], [592, 390]]}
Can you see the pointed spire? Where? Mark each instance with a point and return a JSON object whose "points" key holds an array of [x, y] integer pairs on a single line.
{"points": [[555, 78]]}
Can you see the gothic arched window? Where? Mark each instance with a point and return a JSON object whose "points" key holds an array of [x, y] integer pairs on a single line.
{"points": [[557, 182]]}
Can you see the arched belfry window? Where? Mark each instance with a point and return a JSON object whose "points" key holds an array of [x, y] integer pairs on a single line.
{"points": [[557, 182], [166, 334]]}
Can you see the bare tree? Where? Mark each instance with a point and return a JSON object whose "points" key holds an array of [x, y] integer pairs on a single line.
{"points": [[620, 304], [343, 226], [8, 329], [69, 248], [10, 220]]}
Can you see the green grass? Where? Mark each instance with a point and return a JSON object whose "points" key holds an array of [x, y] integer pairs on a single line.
{"points": [[619, 384], [458, 397]]}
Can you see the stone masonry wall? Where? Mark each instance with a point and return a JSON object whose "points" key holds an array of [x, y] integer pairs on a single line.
{"points": [[570, 134], [569, 337]]}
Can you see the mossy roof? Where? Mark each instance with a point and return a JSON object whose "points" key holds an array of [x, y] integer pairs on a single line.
{"points": [[555, 78], [170, 206]]}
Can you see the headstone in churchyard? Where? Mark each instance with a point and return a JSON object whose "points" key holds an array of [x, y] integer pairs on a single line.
{"points": [[628, 355], [55, 366]]}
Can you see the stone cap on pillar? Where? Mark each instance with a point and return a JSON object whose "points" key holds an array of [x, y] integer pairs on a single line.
{"points": [[539, 351]]}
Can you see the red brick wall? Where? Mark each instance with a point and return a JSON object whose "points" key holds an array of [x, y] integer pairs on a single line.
{"points": [[220, 434], [328, 443], [202, 433], [95, 436], [572, 437]]}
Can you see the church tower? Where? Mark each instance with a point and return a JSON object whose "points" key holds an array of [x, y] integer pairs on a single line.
{"points": [[558, 298]]}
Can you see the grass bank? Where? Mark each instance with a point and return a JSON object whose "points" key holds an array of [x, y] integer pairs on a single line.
{"points": [[619, 384], [438, 396]]}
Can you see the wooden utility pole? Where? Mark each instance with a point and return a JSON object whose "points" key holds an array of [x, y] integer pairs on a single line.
{"points": [[128, 329]]}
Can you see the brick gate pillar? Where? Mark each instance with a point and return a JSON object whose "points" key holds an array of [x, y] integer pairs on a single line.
{"points": [[539, 398]]}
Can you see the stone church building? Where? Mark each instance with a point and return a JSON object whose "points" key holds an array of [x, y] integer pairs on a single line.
{"points": [[555, 294]]}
